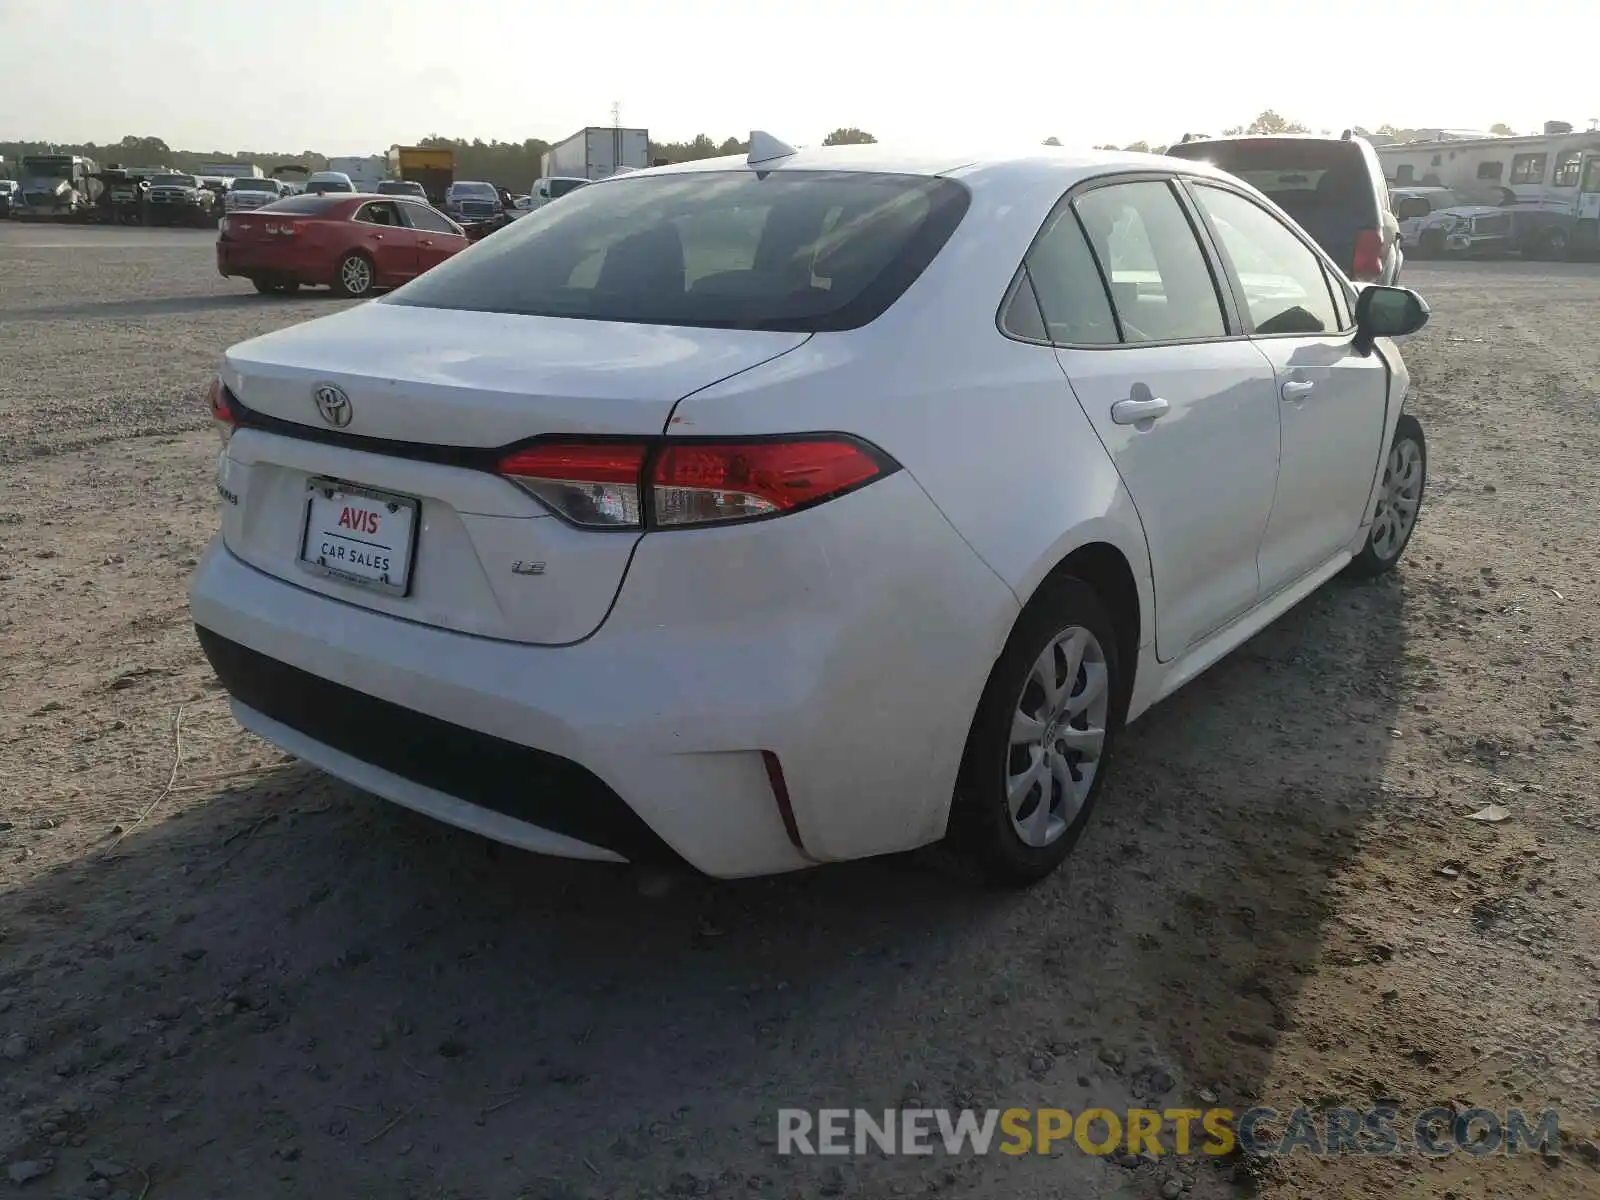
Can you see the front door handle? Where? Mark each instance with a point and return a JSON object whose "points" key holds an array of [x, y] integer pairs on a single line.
{"points": [[1298, 389], [1133, 412]]}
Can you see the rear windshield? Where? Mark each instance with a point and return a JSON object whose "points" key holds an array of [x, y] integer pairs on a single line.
{"points": [[472, 189], [789, 250], [255, 185], [174, 181], [307, 205], [1296, 173], [399, 187]]}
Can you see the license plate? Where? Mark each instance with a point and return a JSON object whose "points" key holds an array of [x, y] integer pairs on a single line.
{"points": [[359, 535]]}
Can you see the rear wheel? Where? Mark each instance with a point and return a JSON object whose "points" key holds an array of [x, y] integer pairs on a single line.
{"points": [[1555, 243], [1041, 740], [354, 276], [1405, 475]]}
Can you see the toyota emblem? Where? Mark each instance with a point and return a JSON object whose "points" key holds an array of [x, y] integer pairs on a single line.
{"points": [[333, 404]]}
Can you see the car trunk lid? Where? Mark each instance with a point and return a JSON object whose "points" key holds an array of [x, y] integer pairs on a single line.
{"points": [[367, 443]]}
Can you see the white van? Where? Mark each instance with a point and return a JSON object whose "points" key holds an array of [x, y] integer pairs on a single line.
{"points": [[553, 187]]}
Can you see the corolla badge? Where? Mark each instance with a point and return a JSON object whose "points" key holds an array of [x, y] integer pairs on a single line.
{"points": [[333, 404]]}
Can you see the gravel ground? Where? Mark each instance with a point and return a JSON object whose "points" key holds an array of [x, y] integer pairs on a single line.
{"points": [[223, 975]]}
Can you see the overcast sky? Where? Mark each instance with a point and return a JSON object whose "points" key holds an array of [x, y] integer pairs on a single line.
{"points": [[355, 76]]}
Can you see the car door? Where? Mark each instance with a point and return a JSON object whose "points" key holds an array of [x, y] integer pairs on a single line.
{"points": [[1333, 399], [389, 240], [1182, 402], [437, 236]]}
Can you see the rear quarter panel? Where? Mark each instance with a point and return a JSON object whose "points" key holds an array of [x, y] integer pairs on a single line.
{"points": [[988, 426]]}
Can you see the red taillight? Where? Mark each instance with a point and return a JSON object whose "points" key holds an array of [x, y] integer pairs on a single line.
{"points": [[222, 414], [603, 484], [700, 483], [1368, 262]]}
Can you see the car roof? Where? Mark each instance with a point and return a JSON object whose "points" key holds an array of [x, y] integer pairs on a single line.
{"points": [[1031, 163]]}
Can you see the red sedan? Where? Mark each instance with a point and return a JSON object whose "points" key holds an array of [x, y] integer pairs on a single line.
{"points": [[353, 244]]}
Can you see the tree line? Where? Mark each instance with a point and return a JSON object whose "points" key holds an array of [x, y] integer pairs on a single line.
{"points": [[512, 165], [515, 165]]}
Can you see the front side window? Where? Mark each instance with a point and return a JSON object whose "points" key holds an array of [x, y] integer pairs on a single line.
{"points": [[1527, 168], [1284, 284], [789, 250], [1567, 167], [1591, 176], [1161, 287]]}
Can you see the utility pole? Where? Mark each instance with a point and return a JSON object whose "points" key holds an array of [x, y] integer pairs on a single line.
{"points": [[616, 114]]}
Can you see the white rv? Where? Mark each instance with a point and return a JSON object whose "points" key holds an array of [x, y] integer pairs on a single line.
{"points": [[1548, 183]]}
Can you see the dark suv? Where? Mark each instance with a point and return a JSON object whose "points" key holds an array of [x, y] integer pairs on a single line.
{"points": [[1334, 187]]}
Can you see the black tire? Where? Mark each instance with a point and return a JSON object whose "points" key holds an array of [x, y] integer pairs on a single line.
{"points": [[1377, 554], [274, 287], [345, 289], [981, 829], [1555, 245]]}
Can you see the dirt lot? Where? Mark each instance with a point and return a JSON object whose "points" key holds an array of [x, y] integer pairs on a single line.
{"points": [[222, 975]]}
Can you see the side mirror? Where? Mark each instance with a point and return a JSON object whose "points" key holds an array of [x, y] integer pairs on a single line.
{"points": [[1388, 312]]}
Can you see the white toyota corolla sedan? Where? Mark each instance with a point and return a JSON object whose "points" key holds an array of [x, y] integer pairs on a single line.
{"points": [[769, 511]]}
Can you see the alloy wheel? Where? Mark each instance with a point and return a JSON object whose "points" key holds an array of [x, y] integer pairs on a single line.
{"points": [[356, 275]]}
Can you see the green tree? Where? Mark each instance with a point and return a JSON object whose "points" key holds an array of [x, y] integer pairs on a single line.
{"points": [[849, 136], [1138, 147], [1501, 128], [1270, 122], [1052, 141]]}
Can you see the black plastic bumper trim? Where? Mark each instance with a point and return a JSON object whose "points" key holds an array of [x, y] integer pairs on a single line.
{"points": [[505, 777]]}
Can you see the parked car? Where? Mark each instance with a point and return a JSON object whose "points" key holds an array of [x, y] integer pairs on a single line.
{"points": [[353, 244], [402, 187], [1334, 187], [250, 193], [769, 511], [322, 182], [477, 207], [180, 200], [8, 191], [1411, 205]]}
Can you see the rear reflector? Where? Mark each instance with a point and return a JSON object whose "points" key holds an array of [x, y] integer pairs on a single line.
{"points": [[679, 483], [1368, 261]]}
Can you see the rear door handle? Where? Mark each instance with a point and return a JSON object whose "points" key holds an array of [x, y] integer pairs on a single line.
{"points": [[1132, 412], [1298, 389]]}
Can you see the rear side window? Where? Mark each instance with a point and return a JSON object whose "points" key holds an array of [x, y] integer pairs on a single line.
{"points": [[306, 205], [1071, 297], [786, 250], [424, 218], [1161, 287]]}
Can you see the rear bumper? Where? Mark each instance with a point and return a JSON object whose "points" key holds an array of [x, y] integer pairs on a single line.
{"points": [[850, 645], [255, 260]]}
